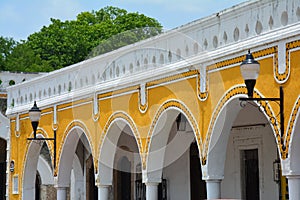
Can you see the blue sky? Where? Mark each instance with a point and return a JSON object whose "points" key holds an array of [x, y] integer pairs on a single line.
{"points": [[20, 18]]}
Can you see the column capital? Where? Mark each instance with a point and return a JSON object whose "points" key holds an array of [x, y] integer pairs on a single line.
{"points": [[212, 177], [99, 185], [152, 183], [213, 180], [60, 187], [152, 177]]}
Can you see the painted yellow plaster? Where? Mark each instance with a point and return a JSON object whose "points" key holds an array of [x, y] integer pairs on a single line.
{"points": [[180, 91]]}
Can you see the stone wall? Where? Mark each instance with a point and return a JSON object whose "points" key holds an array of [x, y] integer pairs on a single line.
{"points": [[48, 192]]}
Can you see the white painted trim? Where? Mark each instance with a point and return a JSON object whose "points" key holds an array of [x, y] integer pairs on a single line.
{"points": [[237, 49]]}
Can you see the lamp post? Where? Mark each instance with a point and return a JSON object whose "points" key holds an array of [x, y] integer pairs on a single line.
{"points": [[35, 116], [250, 70]]}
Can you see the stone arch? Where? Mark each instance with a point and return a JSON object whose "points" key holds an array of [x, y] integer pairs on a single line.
{"points": [[156, 144], [31, 166], [108, 144], [219, 131], [66, 153]]}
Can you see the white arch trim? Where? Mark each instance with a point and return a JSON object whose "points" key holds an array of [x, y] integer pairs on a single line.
{"points": [[31, 165], [67, 155], [45, 171], [108, 150], [216, 155], [214, 168], [156, 160]]}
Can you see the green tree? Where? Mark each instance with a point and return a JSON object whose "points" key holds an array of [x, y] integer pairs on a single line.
{"points": [[6, 48], [64, 43], [23, 59]]}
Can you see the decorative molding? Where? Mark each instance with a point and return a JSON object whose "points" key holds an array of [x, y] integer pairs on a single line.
{"points": [[96, 108], [17, 126], [290, 46], [237, 60], [54, 124], [81, 76], [171, 78], [281, 67], [202, 84], [143, 98]]}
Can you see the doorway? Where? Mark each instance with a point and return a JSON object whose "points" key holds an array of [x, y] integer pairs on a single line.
{"points": [[198, 186], [91, 188], [250, 174], [123, 179], [2, 168]]}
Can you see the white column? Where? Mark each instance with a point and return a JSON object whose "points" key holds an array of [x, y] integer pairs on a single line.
{"points": [[61, 193], [103, 192], [151, 191], [213, 188], [294, 187]]}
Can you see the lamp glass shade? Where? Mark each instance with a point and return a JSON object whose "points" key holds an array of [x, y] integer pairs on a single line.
{"points": [[250, 68], [34, 113]]}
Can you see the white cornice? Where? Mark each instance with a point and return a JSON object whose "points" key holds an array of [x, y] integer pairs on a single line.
{"points": [[234, 50], [264, 40]]}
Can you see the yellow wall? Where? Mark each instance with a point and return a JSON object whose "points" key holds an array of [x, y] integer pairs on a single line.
{"points": [[184, 91]]}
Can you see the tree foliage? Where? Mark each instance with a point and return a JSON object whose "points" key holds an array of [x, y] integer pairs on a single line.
{"points": [[64, 43], [6, 47]]}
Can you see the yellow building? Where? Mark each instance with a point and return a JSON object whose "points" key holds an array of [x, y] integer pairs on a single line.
{"points": [[7, 79], [163, 118]]}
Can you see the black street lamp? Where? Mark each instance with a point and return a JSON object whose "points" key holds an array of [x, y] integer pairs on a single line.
{"points": [[35, 116], [250, 71]]}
